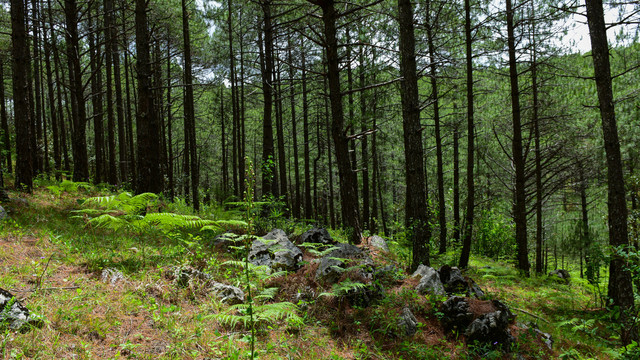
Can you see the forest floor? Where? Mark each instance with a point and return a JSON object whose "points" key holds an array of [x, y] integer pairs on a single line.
{"points": [[53, 262]]}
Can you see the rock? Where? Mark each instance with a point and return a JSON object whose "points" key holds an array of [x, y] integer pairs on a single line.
{"points": [[332, 266], [3, 213], [491, 328], [453, 280], [546, 338], [279, 254], [182, 275], [474, 290], [561, 274], [111, 276], [379, 243], [421, 271], [227, 294], [500, 306], [430, 283], [456, 313], [13, 314], [407, 323], [317, 236]]}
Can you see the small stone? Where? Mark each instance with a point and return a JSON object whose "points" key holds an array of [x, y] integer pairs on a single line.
{"points": [[379, 243], [228, 294], [407, 323], [182, 275], [3, 213], [453, 280]]}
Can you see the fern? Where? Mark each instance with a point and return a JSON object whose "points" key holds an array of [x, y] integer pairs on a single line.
{"points": [[263, 314], [343, 288], [107, 221]]}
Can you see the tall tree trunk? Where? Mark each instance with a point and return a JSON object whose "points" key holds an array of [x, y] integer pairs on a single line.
{"points": [[456, 177], [294, 130], [112, 172], [36, 100], [123, 147], [442, 215], [282, 162], [21, 61], [416, 216], [149, 178], [468, 231], [520, 206], [96, 103], [366, 214], [170, 124], [6, 142], [348, 185], [305, 129], [538, 154], [223, 138], [78, 108], [127, 137], [620, 286], [269, 184], [189, 111]]}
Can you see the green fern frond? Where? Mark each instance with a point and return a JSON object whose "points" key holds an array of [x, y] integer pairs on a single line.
{"points": [[110, 222], [267, 294], [102, 201]]}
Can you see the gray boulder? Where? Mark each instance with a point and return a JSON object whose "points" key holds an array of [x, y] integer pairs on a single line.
{"points": [[317, 236], [277, 252], [430, 283], [561, 274], [421, 271], [13, 314], [227, 294], [407, 323], [379, 243], [3, 213], [345, 255]]}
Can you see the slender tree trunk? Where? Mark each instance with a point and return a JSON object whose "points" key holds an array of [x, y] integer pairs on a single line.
{"points": [[149, 178], [520, 206], [294, 130], [112, 173], [620, 285], [21, 61], [416, 216], [127, 137], [305, 129], [269, 184], [172, 186], [223, 138], [442, 215], [468, 231], [36, 104], [6, 140], [538, 154], [189, 111], [366, 214], [96, 103], [456, 178], [348, 179], [123, 147], [78, 108]]}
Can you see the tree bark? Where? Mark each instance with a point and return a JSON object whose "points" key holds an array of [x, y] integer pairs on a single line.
{"points": [[520, 206], [416, 216], [468, 230], [6, 140], [189, 111], [149, 177], [21, 61], [269, 183], [620, 285], [348, 186]]}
